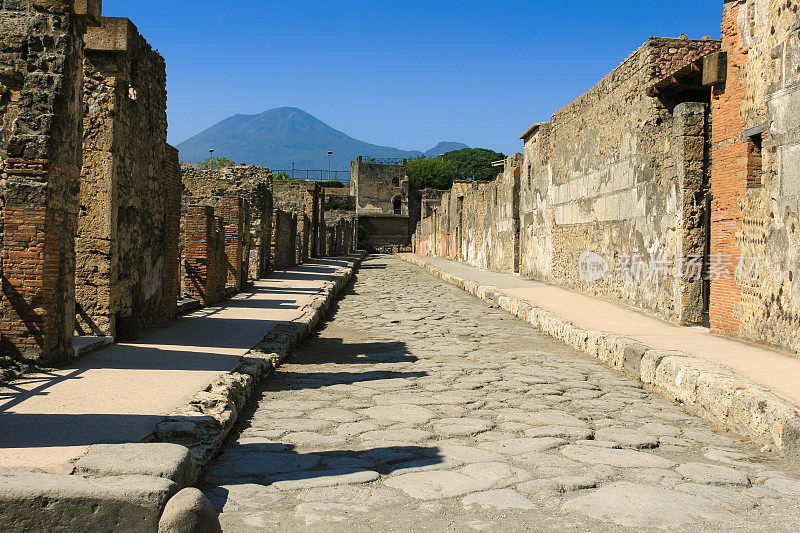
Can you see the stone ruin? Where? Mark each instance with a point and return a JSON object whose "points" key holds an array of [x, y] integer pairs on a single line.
{"points": [[103, 232], [669, 187]]}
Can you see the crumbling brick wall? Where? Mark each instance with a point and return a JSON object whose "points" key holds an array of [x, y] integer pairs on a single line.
{"points": [[127, 198], [756, 161], [205, 271], [253, 184], [41, 55]]}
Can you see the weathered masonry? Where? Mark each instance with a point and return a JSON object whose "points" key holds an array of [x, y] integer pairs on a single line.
{"points": [[669, 187], [306, 200], [381, 191], [127, 238], [608, 197], [217, 189], [755, 111], [40, 148]]}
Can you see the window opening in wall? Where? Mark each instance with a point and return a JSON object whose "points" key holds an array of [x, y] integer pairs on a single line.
{"points": [[398, 205], [396, 182], [754, 161]]}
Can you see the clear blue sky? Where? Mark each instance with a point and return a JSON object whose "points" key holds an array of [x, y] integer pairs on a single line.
{"points": [[405, 74]]}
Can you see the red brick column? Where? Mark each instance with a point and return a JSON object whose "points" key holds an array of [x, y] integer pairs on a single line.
{"points": [[729, 174], [31, 258], [199, 264], [232, 213]]}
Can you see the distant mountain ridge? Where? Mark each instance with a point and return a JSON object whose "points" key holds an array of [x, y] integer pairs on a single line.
{"points": [[285, 135]]}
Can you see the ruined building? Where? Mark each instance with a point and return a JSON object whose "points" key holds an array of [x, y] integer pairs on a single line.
{"points": [[41, 113], [306, 200], [380, 188], [127, 238], [667, 187], [241, 198], [755, 190], [616, 180]]}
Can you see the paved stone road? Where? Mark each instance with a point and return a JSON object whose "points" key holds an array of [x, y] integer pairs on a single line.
{"points": [[420, 408]]}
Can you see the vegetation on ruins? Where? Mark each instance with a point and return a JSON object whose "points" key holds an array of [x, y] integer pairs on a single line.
{"points": [[439, 172], [334, 203], [281, 176], [213, 163], [435, 173], [474, 163]]}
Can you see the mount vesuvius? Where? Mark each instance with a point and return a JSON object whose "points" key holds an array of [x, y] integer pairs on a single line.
{"points": [[285, 135]]}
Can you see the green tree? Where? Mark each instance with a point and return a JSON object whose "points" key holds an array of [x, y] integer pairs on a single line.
{"points": [[281, 176], [435, 173], [474, 163], [216, 162]]}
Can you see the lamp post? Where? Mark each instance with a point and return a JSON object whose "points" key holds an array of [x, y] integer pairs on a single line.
{"points": [[329, 165]]}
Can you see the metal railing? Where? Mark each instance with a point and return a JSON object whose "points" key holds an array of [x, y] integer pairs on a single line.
{"points": [[316, 175]]}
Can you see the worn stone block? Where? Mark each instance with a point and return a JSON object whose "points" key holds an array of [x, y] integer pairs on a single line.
{"points": [[791, 439], [189, 511], [75, 503], [715, 68], [160, 459], [632, 359], [114, 34]]}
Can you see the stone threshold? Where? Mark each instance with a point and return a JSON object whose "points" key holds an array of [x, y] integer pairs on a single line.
{"points": [[722, 397], [126, 487], [85, 344]]}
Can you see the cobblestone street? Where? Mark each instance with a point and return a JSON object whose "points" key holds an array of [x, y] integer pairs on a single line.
{"points": [[417, 407]]}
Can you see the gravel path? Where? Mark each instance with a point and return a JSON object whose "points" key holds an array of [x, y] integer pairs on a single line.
{"points": [[419, 408]]}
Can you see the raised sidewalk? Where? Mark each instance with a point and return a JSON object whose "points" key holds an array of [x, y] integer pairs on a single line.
{"points": [[752, 390], [123, 392]]}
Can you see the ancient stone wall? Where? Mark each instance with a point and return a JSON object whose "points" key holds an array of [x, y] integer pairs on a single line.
{"points": [[339, 199], [41, 55], [607, 197], [378, 186], [616, 182], [302, 198], [284, 239], [124, 240], [756, 162], [251, 183]]}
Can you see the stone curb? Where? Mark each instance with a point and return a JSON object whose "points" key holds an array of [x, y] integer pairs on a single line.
{"points": [[203, 424], [710, 390], [126, 487]]}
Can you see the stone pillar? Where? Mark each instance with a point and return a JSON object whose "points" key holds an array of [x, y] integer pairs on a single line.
{"points": [[232, 214], [172, 254], [690, 133], [41, 160], [126, 231]]}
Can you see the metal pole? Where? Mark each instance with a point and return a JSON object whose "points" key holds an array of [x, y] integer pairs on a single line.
{"points": [[292, 169]]}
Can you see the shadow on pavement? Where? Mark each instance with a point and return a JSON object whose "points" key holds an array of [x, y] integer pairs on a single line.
{"points": [[279, 464]]}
